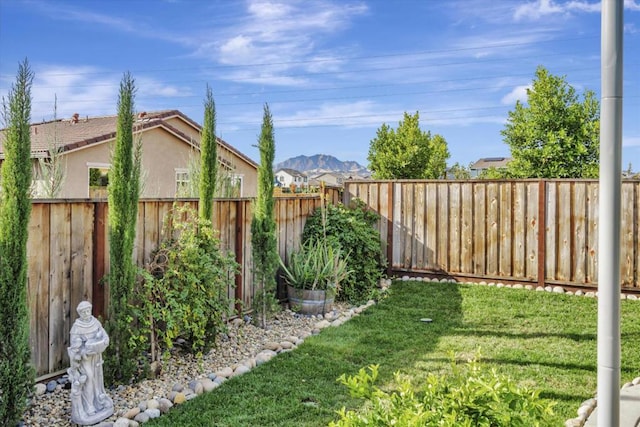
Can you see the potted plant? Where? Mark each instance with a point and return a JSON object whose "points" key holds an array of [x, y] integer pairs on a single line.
{"points": [[313, 274]]}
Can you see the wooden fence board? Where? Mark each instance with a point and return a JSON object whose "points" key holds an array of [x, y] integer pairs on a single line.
{"points": [[505, 229], [627, 239], [397, 225], [592, 234], [419, 221], [38, 259], [454, 226], [408, 235], [519, 229], [442, 203], [492, 229], [479, 229], [551, 230], [578, 235], [563, 267], [532, 230], [431, 229], [59, 304], [466, 229], [81, 256]]}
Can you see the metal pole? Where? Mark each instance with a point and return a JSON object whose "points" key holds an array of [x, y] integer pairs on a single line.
{"points": [[609, 215]]}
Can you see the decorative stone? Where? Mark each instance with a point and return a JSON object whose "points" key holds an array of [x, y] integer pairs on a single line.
{"points": [[121, 422], [179, 398], [153, 404], [272, 346], [225, 372], [518, 286], [579, 292], [153, 413], [131, 413], [264, 356], [165, 405], [242, 369], [142, 406], [177, 387], [208, 384], [632, 297], [286, 345], [51, 386], [39, 389], [90, 403], [219, 380], [142, 417], [528, 287], [322, 324], [558, 290]]}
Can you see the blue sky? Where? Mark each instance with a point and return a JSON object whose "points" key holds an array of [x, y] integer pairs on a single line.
{"points": [[331, 71]]}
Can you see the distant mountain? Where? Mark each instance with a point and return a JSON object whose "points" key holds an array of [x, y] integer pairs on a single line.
{"points": [[320, 163]]}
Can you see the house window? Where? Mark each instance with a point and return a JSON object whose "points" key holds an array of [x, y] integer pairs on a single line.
{"points": [[98, 179], [182, 183], [230, 185]]}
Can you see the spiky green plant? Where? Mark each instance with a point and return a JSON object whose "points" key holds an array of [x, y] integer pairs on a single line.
{"points": [[209, 155], [124, 191], [16, 371], [263, 225]]}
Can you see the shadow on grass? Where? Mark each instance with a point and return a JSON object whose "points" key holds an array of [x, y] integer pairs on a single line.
{"points": [[300, 388]]}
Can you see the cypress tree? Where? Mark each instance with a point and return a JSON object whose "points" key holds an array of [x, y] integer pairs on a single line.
{"points": [[124, 189], [209, 155], [263, 225], [16, 371]]}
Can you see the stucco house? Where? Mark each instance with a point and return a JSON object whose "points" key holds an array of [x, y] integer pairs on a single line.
{"points": [[285, 177], [170, 140], [486, 163]]}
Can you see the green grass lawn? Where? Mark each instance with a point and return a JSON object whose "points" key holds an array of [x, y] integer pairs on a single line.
{"points": [[542, 340]]}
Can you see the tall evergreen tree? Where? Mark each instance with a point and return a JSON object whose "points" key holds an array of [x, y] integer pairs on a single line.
{"points": [[124, 191], [209, 155], [16, 371], [263, 225]]}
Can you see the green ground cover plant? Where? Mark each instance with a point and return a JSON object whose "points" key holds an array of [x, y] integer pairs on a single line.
{"points": [[541, 341]]}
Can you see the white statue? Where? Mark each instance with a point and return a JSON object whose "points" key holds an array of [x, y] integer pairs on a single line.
{"points": [[90, 403]]}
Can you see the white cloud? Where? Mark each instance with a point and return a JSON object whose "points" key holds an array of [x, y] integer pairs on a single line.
{"points": [[519, 93], [282, 36], [631, 141], [543, 8], [632, 5]]}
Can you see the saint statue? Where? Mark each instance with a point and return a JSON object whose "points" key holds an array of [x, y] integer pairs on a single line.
{"points": [[90, 403]]}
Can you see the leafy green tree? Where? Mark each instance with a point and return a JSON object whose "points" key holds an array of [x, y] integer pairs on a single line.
{"points": [[407, 152], [263, 225], [16, 372], [124, 191], [554, 135], [457, 171], [208, 152]]}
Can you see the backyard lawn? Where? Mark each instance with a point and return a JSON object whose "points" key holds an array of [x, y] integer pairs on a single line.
{"points": [[540, 339]]}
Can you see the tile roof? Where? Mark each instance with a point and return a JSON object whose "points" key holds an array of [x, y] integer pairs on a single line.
{"points": [[78, 132]]}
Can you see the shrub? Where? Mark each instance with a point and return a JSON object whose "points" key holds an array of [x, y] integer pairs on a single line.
{"points": [[185, 289], [472, 395], [352, 230]]}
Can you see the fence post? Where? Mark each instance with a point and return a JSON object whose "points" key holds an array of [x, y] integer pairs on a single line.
{"points": [[390, 226], [240, 229], [542, 231], [99, 246]]}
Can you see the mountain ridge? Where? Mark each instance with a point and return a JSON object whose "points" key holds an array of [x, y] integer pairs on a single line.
{"points": [[320, 163]]}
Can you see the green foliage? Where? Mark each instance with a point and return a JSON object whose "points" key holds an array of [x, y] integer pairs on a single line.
{"points": [[352, 230], [124, 189], [471, 396], [208, 152], [457, 171], [555, 135], [16, 372], [226, 185], [185, 293], [316, 265], [408, 152], [263, 226]]}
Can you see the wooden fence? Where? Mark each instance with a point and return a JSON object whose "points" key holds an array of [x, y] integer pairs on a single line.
{"points": [[68, 256], [539, 231]]}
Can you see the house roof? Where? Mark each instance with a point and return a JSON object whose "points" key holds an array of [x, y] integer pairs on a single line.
{"points": [[77, 132], [291, 172], [490, 162]]}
